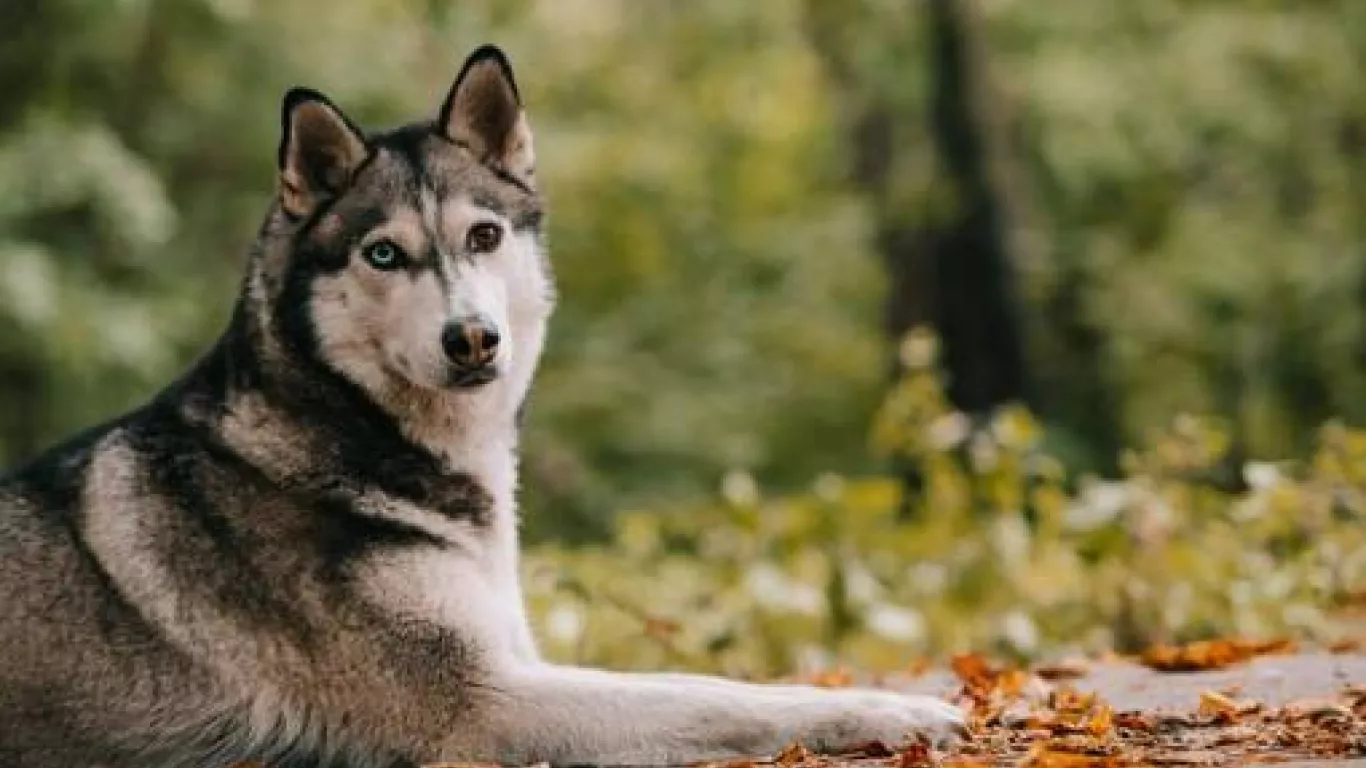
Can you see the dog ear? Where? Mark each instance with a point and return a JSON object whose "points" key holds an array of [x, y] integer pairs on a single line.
{"points": [[320, 151], [483, 113]]}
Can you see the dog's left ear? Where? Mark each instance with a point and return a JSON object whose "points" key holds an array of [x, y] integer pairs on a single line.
{"points": [[483, 112]]}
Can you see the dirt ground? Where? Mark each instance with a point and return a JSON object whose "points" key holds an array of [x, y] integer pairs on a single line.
{"points": [[1289, 708]]}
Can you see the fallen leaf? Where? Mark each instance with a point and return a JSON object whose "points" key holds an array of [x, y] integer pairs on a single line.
{"points": [[832, 678], [1071, 700], [1210, 654], [1066, 669], [1347, 645], [915, 756], [794, 754], [1012, 682], [1101, 721], [1134, 721], [971, 667], [1215, 704]]}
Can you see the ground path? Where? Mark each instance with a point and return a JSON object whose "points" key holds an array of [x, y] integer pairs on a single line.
{"points": [[1300, 709]]}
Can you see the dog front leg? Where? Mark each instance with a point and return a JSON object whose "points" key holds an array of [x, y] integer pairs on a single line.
{"points": [[574, 716]]}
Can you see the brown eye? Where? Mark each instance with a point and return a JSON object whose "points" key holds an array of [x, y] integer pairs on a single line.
{"points": [[483, 237]]}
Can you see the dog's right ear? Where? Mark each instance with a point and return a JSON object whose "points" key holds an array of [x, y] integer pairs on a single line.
{"points": [[320, 151]]}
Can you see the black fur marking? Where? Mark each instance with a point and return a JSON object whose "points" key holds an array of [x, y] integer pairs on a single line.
{"points": [[206, 485], [54, 479], [294, 321], [346, 535], [513, 180], [407, 143]]}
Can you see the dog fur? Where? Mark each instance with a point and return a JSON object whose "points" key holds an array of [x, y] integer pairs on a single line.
{"points": [[304, 552]]}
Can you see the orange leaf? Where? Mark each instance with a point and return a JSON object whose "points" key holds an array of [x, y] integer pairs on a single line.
{"points": [[794, 754], [1101, 721], [971, 667], [915, 756], [1210, 654]]}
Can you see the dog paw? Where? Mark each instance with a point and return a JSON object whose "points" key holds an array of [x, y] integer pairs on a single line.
{"points": [[844, 719]]}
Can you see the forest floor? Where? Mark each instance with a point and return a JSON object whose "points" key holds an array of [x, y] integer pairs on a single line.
{"points": [[1220, 703]]}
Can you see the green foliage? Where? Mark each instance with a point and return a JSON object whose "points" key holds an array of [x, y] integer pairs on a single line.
{"points": [[1188, 177], [996, 553]]}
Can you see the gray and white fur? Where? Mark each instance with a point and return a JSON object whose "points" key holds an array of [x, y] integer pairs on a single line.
{"points": [[304, 552]]}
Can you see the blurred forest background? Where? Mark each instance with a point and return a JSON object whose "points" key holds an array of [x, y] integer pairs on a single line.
{"points": [[1110, 213]]}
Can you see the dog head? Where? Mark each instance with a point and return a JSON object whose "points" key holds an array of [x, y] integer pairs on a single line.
{"points": [[411, 261]]}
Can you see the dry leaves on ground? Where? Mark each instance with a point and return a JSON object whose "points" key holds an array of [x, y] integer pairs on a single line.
{"points": [[1034, 724], [1210, 654], [1019, 719]]}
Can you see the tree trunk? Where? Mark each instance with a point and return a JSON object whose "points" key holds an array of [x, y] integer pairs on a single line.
{"points": [[952, 271], [975, 312]]}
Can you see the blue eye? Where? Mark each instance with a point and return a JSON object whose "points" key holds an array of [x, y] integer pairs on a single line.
{"points": [[383, 254]]}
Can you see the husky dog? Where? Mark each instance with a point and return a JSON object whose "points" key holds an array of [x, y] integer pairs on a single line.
{"points": [[304, 552]]}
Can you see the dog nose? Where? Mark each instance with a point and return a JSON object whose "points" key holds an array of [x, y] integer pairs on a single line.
{"points": [[470, 342]]}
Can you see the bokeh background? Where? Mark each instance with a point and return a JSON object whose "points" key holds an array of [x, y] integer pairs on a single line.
{"points": [[888, 327]]}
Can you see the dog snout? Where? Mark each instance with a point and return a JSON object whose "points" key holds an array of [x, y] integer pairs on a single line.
{"points": [[471, 342]]}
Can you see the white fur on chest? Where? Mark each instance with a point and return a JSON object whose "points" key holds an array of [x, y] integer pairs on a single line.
{"points": [[471, 586], [478, 597]]}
